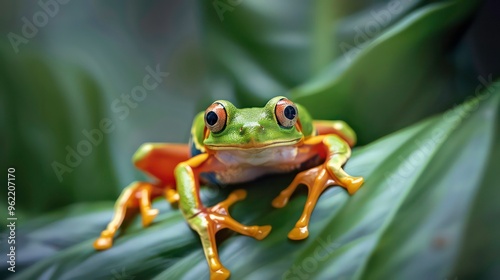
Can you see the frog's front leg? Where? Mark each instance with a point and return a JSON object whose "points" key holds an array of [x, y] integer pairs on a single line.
{"points": [[207, 221], [317, 179]]}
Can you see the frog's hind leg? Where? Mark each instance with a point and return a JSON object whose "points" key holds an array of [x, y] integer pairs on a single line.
{"points": [[340, 128], [136, 195], [159, 161]]}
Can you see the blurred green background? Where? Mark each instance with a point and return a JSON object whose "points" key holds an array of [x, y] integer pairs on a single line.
{"points": [[65, 67]]}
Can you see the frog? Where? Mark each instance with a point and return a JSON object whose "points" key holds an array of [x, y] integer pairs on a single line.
{"points": [[231, 145]]}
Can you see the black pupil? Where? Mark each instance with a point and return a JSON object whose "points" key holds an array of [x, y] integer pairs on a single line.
{"points": [[290, 112], [212, 118]]}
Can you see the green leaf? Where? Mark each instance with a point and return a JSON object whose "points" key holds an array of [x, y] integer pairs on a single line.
{"points": [[427, 188], [51, 91], [259, 49], [407, 59], [40, 136], [362, 62], [429, 205]]}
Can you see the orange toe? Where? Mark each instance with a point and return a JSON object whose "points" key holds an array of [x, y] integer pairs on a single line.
{"points": [[103, 243], [298, 233]]}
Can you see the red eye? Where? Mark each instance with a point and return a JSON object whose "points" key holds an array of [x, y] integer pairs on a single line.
{"points": [[286, 113], [215, 117]]}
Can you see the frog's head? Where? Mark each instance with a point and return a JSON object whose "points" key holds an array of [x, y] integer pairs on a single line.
{"points": [[278, 123]]}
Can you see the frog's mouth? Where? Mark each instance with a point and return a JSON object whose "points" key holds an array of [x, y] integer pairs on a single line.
{"points": [[254, 145]]}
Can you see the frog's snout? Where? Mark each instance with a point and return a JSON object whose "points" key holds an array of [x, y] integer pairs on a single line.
{"points": [[252, 133], [253, 128]]}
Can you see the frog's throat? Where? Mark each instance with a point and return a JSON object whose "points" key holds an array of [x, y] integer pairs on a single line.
{"points": [[256, 146]]}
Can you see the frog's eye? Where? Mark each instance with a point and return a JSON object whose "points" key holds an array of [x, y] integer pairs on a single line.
{"points": [[286, 113], [215, 117]]}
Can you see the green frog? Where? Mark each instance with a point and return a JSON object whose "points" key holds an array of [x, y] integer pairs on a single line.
{"points": [[230, 145]]}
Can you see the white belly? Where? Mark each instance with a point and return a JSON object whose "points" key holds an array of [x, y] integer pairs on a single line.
{"points": [[257, 157], [246, 165]]}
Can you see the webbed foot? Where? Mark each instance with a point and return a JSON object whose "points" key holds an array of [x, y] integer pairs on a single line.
{"points": [[316, 179], [105, 241], [136, 195], [212, 219]]}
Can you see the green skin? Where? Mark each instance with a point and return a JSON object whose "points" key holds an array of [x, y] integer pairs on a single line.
{"points": [[272, 132]]}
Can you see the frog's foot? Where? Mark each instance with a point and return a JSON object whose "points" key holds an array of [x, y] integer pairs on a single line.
{"points": [[148, 214], [212, 219], [316, 179], [172, 197], [136, 195], [352, 184], [105, 241]]}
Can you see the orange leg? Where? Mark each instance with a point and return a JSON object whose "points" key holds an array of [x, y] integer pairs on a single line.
{"points": [[136, 195], [158, 161], [319, 178]]}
